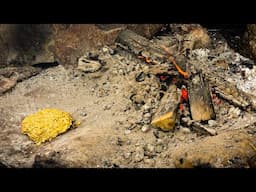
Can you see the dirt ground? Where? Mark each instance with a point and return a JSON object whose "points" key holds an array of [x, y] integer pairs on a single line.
{"points": [[113, 131]]}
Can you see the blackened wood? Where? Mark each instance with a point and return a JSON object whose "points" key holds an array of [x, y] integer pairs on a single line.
{"points": [[142, 46]]}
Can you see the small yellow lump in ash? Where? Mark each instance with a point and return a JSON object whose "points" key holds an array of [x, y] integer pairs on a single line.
{"points": [[46, 124]]}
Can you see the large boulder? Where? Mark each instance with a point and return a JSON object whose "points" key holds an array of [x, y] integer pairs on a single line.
{"points": [[46, 43], [25, 44]]}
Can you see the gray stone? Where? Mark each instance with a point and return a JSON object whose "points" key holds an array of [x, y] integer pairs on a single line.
{"points": [[139, 154], [107, 107], [146, 108], [88, 66], [147, 115], [185, 130], [83, 114], [234, 112], [127, 155], [150, 147], [159, 148], [127, 131], [145, 128], [212, 123]]}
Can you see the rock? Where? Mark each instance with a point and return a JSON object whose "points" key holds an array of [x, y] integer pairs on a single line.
{"points": [[73, 40], [150, 162], [42, 43], [107, 107], [146, 121], [6, 84], [159, 148], [149, 150], [181, 137], [147, 115], [145, 128], [234, 112], [214, 151], [121, 72], [185, 130], [32, 45], [139, 154], [127, 155], [127, 131], [49, 161], [212, 123], [146, 108], [83, 114], [88, 66], [108, 50]]}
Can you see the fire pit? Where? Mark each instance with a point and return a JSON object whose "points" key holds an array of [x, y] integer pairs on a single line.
{"points": [[181, 98]]}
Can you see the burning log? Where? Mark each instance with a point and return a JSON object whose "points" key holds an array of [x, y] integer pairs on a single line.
{"points": [[142, 47], [201, 106], [166, 115]]}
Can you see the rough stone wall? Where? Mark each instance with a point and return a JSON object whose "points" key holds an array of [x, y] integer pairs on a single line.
{"points": [[22, 44]]}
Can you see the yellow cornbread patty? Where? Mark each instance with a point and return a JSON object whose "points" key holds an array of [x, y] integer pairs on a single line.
{"points": [[46, 124]]}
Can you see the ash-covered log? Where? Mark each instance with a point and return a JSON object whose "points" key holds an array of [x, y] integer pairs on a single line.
{"points": [[200, 100]]}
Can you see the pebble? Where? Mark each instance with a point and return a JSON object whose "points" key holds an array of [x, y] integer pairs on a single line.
{"points": [[149, 161], [88, 66], [83, 114], [127, 131], [185, 130], [159, 141], [146, 108], [212, 123], [128, 142], [105, 49], [147, 120], [234, 112], [121, 72], [107, 107], [147, 115], [181, 138], [159, 148], [145, 128], [150, 148], [127, 155], [139, 154], [114, 72]]}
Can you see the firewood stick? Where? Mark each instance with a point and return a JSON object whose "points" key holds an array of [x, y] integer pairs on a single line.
{"points": [[198, 127], [200, 100]]}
